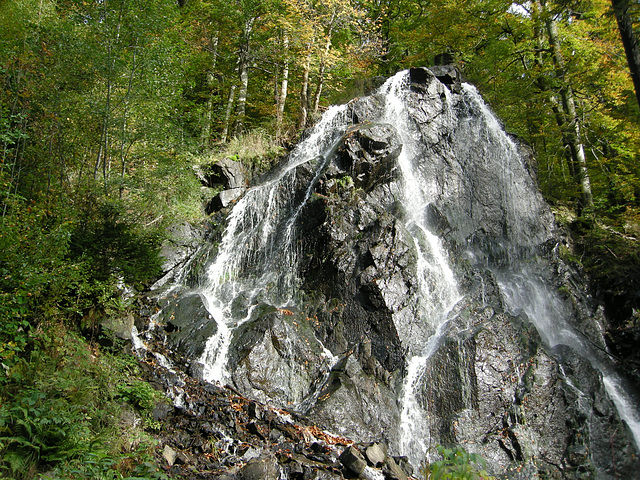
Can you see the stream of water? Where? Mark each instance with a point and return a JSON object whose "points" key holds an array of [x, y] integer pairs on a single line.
{"points": [[522, 289], [257, 257], [437, 284]]}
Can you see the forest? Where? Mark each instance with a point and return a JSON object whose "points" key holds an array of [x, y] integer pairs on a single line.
{"points": [[107, 107]]}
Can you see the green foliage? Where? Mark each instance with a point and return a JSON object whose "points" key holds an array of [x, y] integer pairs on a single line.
{"points": [[38, 428], [456, 464], [69, 410], [53, 266], [344, 184], [29, 275], [611, 258], [140, 394], [102, 466], [113, 245]]}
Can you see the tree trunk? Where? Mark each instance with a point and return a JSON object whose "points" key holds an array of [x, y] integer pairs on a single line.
{"points": [[123, 131], [543, 84], [629, 41], [572, 128], [104, 158], [241, 106], [243, 71], [304, 92], [282, 96], [211, 80], [323, 66], [227, 114], [319, 86]]}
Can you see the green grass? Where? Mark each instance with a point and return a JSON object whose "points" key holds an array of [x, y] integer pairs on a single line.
{"points": [[257, 151]]}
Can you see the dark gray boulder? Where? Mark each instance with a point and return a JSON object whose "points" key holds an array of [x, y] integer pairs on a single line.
{"points": [[188, 324]]}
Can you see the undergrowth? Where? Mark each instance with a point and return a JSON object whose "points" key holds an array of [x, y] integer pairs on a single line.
{"points": [[71, 411], [455, 464], [257, 151]]}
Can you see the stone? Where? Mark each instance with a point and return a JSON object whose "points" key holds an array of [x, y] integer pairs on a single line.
{"points": [[368, 153], [353, 460], [161, 410], [262, 468], [188, 324], [227, 173], [376, 454], [449, 75], [392, 471], [119, 326], [250, 454], [169, 454], [420, 76], [295, 470], [403, 463], [224, 199]]}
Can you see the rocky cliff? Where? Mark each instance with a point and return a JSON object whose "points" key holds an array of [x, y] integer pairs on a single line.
{"points": [[394, 282]]}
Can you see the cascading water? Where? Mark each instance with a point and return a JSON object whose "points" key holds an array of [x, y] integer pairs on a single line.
{"points": [[465, 212], [508, 256], [257, 257], [524, 291], [524, 288], [437, 285]]}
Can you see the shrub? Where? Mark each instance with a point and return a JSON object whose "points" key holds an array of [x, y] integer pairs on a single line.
{"points": [[456, 464], [112, 245], [69, 411]]}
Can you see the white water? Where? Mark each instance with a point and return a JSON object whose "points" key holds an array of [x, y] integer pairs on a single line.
{"points": [[436, 279], [415, 441], [437, 284], [525, 292], [257, 257], [522, 288]]}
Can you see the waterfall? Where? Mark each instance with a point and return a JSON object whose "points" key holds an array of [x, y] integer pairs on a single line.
{"points": [[437, 285], [522, 282], [524, 291], [468, 217], [509, 256], [257, 257]]}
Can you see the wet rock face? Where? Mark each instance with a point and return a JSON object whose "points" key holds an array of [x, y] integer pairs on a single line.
{"points": [[368, 154], [188, 324], [341, 354], [495, 387], [277, 360], [359, 239], [350, 385]]}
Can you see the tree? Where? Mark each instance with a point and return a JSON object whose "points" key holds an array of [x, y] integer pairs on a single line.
{"points": [[622, 10], [244, 61], [569, 121]]}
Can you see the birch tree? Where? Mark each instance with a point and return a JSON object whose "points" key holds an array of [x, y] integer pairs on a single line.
{"points": [[569, 120]]}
